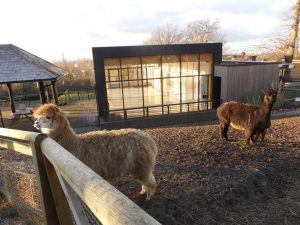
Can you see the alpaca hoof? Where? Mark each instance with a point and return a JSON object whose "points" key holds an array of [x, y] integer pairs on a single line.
{"points": [[148, 196], [142, 192]]}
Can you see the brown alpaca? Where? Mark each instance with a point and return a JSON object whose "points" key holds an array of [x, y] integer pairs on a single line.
{"points": [[111, 154], [252, 119]]}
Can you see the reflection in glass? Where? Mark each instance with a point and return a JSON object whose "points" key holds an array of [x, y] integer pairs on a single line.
{"points": [[133, 97], [171, 66], [112, 69], [189, 89], [131, 71], [114, 95], [171, 90], [205, 64], [152, 80], [203, 88], [190, 65]]}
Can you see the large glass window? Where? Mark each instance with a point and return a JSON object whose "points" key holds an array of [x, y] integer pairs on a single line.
{"points": [[205, 64], [171, 79], [132, 82], [190, 65], [152, 84], [113, 83], [155, 85]]}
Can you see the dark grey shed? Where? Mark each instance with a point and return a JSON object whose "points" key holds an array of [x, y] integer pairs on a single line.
{"points": [[19, 66]]}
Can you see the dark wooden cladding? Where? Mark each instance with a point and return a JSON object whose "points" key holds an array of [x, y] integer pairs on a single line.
{"points": [[101, 92], [246, 80], [149, 50]]}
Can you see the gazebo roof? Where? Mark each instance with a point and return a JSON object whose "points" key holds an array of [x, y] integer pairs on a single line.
{"points": [[18, 65]]}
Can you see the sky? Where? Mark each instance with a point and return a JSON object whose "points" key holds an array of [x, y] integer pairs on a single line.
{"points": [[53, 29]]}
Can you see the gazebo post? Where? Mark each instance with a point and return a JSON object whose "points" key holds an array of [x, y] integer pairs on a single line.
{"points": [[54, 93], [42, 92], [11, 97]]}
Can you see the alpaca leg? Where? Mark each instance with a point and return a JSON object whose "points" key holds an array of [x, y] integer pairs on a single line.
{"points": [[144, 190], [148, 185], [248, 140], [263, 133], [256, 136], [248, 136], [226, 126], [222, 131]]}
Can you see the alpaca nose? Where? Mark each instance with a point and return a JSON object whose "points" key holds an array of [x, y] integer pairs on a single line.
{"points": [[36, 124]]}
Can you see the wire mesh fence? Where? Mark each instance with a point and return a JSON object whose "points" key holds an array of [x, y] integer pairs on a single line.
{"points": [[18, 183]]}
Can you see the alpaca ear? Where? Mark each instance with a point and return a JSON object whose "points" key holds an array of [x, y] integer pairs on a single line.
{"points": [[63, 114]]}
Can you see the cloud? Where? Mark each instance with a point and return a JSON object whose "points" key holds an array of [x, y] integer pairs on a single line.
{"points": [[53, 28]]}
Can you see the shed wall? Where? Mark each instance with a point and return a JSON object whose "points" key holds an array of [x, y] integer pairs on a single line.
{"points": [[242, 81]]}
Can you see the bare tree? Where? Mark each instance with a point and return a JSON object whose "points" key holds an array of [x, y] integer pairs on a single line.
{"points": [[285, 41], [273, 48], [202, 31], [294, 32], [165, 35]]}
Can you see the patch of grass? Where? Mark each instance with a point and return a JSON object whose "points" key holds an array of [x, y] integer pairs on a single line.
{"points": [[255, 99], [281, 102], [73, 95]]}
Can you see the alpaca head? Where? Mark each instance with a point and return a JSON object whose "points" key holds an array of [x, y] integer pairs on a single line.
{"points": [[49, 119], [270, 96]]}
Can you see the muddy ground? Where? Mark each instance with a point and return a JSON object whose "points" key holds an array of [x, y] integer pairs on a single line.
{"points": [[204, 180]]}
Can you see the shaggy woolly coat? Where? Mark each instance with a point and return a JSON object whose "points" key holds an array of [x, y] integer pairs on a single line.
{"points": [[252, 119], [111, 154], [242, 116]]}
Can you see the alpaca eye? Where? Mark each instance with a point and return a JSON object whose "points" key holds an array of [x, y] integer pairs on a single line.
{"points": [[48, 117]]}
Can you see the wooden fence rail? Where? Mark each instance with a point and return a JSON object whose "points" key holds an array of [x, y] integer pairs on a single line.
{"points": [[64, 181]]}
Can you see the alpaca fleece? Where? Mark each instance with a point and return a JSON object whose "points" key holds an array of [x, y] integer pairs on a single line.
{"points": [[111, 154], [252, 119]]}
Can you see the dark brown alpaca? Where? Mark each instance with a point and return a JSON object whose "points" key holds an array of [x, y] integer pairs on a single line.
{"points": [[252, 119]]}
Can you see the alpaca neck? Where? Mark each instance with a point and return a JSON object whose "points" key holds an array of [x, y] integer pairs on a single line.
{"points": [[65, 136], [267, 107]]}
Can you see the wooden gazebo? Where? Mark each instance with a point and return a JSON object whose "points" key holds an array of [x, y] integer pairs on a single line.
{"points": [[19, 66]]}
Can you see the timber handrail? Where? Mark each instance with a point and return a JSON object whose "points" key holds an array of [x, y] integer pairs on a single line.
{"points": [[66, 175]]}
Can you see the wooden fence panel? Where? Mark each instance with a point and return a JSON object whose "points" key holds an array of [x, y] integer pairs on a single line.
{"points": [[60, 174]]}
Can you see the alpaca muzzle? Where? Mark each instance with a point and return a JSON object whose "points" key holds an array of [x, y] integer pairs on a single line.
{"points": [[37, 125]]}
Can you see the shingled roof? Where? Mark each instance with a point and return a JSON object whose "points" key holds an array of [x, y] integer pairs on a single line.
{"points": [[17, 65]]}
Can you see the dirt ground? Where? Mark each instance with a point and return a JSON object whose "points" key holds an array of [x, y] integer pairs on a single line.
{"points": [[8, 213], [204, 180]]}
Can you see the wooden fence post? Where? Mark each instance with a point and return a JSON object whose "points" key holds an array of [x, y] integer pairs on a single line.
{"points": [[59, 197], [46, 199], [1, 118], [49, 189]]}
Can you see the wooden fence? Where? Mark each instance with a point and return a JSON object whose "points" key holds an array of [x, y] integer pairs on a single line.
{"points": [[63, 179]]}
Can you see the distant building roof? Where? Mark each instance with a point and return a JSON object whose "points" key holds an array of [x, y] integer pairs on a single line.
{"points": [[18, 65]]}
